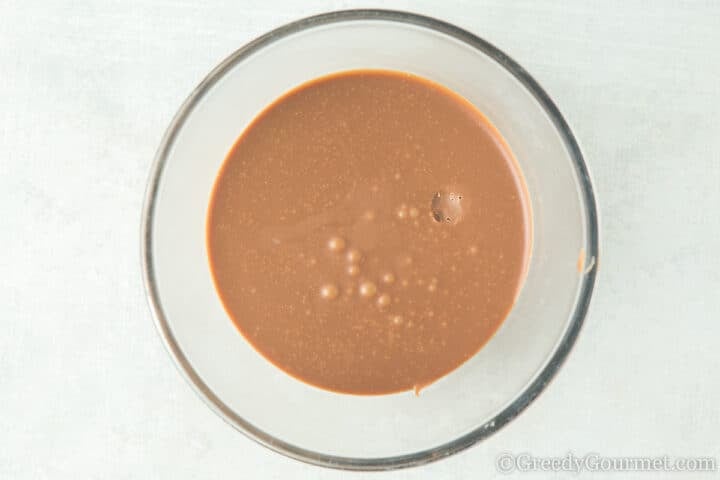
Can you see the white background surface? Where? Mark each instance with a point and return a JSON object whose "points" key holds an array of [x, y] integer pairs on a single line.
{"points": [[87, 89]]}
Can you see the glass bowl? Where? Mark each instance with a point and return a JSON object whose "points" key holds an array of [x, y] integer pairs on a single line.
{"points": [[369, 432]]}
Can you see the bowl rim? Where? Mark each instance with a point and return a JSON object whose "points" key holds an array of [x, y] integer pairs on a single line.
{"points": [[510, 411]]}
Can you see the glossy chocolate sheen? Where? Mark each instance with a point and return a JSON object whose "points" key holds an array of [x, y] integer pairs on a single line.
{"points": [[369, 232]]}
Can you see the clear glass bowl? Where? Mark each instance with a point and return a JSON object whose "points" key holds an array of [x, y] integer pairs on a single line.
{"points": [[360, 432]]}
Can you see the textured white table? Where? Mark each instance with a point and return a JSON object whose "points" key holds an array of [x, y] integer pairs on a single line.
{"points": [[87, 89]]}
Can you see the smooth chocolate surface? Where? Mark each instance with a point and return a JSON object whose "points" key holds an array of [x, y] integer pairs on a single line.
{"points": [[369, 232]]}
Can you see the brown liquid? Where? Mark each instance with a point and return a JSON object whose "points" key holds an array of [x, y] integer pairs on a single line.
{"points": [[368, 232]]}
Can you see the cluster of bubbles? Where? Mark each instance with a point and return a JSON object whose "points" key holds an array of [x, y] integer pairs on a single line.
{"points": [[367, 289], [445, 208]]}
